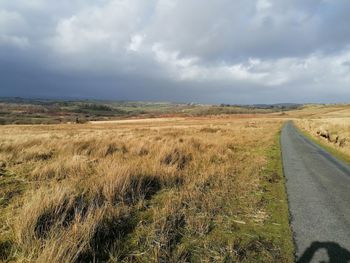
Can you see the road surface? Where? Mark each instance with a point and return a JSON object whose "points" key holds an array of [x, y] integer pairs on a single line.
{"points": [[318, 187]]}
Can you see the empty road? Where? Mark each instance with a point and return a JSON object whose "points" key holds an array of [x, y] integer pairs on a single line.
{"points": [[318, 187]]}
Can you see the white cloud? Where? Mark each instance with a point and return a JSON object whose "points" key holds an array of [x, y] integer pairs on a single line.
{"points": [[262, 5], [71, 37], [135, 43], [107, 27]]}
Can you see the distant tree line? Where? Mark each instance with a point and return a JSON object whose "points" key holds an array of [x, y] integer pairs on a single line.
{"points": [[96, 107]]}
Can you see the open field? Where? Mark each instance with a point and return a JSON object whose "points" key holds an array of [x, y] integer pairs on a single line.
{"points": [[176, 190], [328, 125]]}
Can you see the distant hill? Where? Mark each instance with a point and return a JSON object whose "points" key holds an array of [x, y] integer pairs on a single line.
{"points": [[16, 110]]}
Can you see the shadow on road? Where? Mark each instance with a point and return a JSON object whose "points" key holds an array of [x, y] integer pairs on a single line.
{"points": [[336, 253]]}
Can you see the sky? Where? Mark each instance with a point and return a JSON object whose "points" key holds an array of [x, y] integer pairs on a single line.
{"points": [[222, 51]]}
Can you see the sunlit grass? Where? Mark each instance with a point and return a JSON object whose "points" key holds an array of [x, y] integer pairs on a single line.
{"points": [[207, 189]]}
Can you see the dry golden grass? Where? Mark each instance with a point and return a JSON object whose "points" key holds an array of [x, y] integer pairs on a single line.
{"points": [[329, 125], [178, 190], [322, 111]]}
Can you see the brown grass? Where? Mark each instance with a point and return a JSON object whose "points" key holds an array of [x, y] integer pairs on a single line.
{"points": [[332, 121], [172, 191]]}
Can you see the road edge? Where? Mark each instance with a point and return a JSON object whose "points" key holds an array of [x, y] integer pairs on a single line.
{"points": [[278, 226], [342, 157]]}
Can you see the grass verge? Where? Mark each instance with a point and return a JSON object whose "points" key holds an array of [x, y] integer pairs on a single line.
{"points": [[339, 155]]}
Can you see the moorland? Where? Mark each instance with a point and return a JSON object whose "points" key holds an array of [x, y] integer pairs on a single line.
{"points": [[177, 188], [48, 111]]}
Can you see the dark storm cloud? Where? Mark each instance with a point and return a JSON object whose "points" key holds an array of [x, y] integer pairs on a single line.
{"points": [[217, 51]]}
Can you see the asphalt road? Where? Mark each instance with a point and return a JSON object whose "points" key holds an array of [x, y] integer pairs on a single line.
{"points": [[318, 187]]}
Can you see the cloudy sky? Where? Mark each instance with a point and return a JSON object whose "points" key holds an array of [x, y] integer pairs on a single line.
{"points": [[230, 51]]}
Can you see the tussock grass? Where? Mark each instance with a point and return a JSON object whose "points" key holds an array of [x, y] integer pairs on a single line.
{"points": [[337, 130], [184, 190]]}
